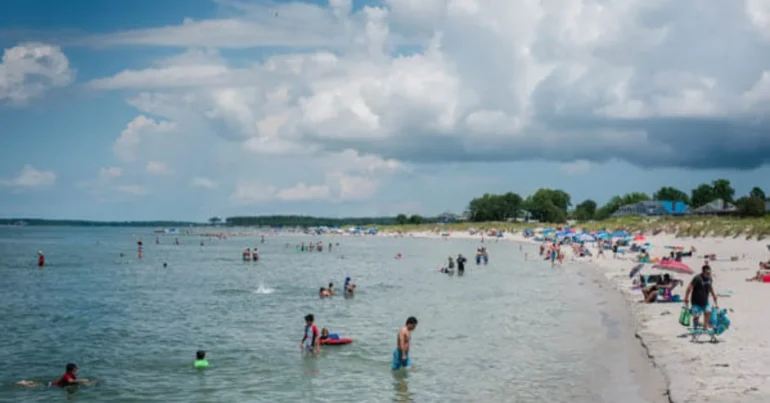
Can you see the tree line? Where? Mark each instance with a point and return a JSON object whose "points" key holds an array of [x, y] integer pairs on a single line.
{"points": [[88, 223], [305, 221], [553, 205]]}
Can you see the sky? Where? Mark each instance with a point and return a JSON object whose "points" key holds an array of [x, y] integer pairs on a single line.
{"points": [[187, 109]]}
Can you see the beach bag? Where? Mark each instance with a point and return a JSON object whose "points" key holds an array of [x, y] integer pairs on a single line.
{"points": [[685, 316]]}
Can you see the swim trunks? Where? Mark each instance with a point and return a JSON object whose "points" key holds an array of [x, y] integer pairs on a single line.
{"points": [[698, 310], [398, 363]]}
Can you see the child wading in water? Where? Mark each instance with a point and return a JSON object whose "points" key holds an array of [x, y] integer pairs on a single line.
{"points": [[401, 357]]}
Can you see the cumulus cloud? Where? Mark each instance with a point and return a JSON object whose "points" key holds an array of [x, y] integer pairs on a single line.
{"points": [[205, 183], [29, 177], [108, 174], [29, 70], [158, 168], [655, 83], [111, 185], [141, 126]]}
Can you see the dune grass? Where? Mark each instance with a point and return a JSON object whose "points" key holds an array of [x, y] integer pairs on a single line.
{"points": [[685, 227]]}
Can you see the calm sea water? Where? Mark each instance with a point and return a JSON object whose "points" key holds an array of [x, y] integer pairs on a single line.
{"points": [[510, 331]]}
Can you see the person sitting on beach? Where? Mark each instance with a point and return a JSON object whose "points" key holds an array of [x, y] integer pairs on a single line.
{"points": [[764, 270], [70, 378], [666, 285], [323, 293], [699, 289]]}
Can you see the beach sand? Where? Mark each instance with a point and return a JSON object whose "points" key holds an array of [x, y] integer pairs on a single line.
{"points": [[734, 370]]}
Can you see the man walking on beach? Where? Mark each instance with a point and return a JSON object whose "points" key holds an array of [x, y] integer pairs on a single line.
{"points": [[700, 287], [401, 357]]}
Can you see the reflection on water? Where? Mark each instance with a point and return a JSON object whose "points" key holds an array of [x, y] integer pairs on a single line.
{"points": [[401, 387]]}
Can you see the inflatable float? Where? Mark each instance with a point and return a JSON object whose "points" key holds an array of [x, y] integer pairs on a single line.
{"points": [[335, 340]]}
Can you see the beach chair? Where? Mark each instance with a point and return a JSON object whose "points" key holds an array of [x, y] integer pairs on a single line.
{"points": [[719, 327]]}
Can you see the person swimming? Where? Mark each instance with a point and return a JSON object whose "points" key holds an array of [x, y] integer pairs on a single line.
{"points": [[323, 293], [331, 289], [349, 287], [70, 378], [200, 359], [324, 334]]}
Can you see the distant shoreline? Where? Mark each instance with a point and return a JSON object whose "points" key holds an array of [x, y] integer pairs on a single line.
{"points": [[695, 227]]}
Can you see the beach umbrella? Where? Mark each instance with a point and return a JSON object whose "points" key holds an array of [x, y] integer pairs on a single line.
{"points": [[635, 270], [639, 238], [674, 266]]}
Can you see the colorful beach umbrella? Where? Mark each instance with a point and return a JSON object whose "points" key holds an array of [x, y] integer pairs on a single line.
{"points": [[674, 266], [636, 270]]}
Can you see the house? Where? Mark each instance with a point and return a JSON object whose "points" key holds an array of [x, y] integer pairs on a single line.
{"points": [[642, 208], [716, 207], [649, 208], [446, 218], [675, 208]]}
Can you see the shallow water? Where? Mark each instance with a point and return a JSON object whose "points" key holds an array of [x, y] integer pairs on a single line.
{"points": [[510, 331]]}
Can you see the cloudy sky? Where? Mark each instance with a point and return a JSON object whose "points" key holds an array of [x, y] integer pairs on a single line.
{"points": [[183, 109]]}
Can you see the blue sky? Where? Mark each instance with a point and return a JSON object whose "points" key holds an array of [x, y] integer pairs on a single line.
{"points": [[187, 109]]}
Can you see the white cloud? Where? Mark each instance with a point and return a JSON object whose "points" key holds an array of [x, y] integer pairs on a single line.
{"points": [[201, 182], [351, 187], [301, 192], [576, 167], [108, 174], [582, 80], [111, 186], [29, 70], [158, 168], [132, 189], [248, 193], [29, 177], [126, 145]]}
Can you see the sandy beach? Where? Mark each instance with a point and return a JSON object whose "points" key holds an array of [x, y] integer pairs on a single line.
{"points": [[733, 370]]}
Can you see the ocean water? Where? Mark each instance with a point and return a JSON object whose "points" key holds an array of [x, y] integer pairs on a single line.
{"points": [[511, 331]]}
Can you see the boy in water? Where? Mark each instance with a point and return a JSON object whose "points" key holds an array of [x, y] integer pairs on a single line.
{"points": [[200, 359], [310, 341], [401, 357], [69, 378]]}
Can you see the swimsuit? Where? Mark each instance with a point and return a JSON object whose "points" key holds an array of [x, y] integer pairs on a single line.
{"points": [[398, 363]]}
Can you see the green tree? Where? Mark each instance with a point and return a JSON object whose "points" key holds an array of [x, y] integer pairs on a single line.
{"points": [[758, 193], [402, 219], [702, 195], [586, 210], [750, 206], [415, 219], [617, 202], [668, 193], [723, 190], [490, 207], [548, 205], [215, 220]]}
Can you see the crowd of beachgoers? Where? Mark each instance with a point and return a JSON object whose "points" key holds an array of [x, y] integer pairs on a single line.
{"points": [[657, 274]]}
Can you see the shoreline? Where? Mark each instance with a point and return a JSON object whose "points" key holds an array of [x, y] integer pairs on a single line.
{"points": [[732, 370]]}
